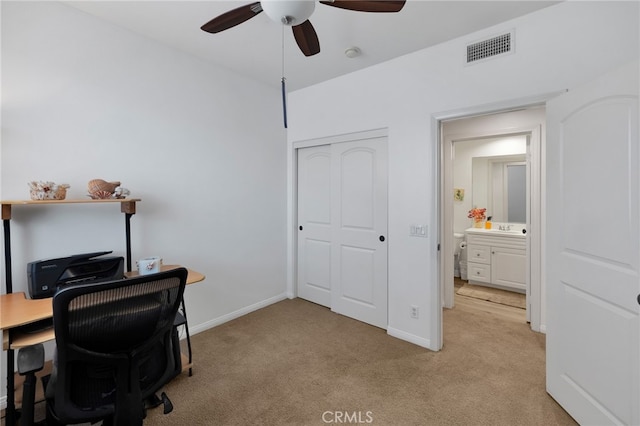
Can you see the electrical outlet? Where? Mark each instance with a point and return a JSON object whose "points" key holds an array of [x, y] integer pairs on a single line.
{"points": [[415, 311]]}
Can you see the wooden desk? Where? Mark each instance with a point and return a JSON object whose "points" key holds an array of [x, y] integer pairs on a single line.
{"points": [[192, 277], [16, 310]]}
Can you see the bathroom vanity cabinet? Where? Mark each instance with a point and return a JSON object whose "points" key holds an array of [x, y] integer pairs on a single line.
{"points": [[497, 259]]}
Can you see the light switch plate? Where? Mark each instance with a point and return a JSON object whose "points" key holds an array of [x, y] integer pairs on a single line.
{"points": [[417, 230]]}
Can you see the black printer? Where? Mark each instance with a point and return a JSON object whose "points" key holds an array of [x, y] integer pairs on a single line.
{"points": [[46, 276]]}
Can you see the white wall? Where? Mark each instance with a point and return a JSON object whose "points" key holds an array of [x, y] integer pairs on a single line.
{"points": [[557, 48], [203, 148]]}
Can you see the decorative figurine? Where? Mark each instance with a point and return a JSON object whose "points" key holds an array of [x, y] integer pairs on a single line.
{"points": [[100, 189], [47, 190]]}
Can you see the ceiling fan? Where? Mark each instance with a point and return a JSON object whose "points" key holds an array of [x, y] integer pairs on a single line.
{"points": [[295, 14]]}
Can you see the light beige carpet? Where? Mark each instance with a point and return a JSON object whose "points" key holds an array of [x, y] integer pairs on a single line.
{"points": [[295, 363], [495, 295]]}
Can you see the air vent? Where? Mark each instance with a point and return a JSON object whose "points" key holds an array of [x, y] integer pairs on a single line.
{"points": [[489, 48]]}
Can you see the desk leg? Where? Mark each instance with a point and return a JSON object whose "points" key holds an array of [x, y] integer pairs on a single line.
{"points": [[11, 385], [186, 328]]}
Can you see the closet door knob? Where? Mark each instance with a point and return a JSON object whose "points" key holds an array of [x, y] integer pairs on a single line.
{"points": [[381, 238], [301, 227]]}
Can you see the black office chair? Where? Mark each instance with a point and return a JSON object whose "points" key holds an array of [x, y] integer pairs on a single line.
{"points": [[116, 346]]}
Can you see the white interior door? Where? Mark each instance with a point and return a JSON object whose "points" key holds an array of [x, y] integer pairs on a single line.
{"points": [[593, 237], [359, 275], [314, 224], [342, 228]]}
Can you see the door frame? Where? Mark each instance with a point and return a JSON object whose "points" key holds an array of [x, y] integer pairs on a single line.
{"points": [[292, 198], [442, 152], [533, 269]]}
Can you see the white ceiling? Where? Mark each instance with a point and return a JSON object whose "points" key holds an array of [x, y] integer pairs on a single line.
{"points": [[254, 48]]}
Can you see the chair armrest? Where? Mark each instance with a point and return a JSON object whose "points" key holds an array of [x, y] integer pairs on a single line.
{"points": [[31, 359], [179, 320]]}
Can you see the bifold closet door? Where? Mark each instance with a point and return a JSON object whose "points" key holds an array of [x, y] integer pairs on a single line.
{"points": [[342, 240]]}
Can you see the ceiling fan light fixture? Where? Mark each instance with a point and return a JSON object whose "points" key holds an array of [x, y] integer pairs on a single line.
{"points": [[352, 52], [288, 12]]}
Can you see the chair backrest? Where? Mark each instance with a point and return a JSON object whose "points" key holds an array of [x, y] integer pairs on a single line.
{"points": [[114, 346]]}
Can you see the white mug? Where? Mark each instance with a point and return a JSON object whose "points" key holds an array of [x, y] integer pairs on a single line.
{"points": [[149, 265]]}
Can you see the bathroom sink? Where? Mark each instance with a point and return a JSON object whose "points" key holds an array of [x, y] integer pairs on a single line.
{"points": [[508, 231], [512, 231]]}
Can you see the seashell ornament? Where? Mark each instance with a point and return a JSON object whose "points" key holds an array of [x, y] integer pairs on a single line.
{"points": [[121, 192], [40, 190], [101, 195], [101, 189]]}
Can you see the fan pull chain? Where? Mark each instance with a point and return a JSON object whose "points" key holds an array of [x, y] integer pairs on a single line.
{"points": [[283, 85], [284, 102]]}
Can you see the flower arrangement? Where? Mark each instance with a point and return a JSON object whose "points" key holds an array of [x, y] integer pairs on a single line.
{"points": [[478, 215]]}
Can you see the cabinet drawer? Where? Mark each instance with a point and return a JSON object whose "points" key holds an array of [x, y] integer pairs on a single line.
{"points": [[479, 272], [479, 254]]}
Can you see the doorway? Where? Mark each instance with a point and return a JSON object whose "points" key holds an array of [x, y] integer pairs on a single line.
{"points": [[527, 125]]}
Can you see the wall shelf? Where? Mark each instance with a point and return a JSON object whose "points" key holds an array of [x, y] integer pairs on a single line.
{"points": [[127, 206]]}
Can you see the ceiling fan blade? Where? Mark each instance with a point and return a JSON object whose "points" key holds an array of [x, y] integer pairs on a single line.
{"points": [[306, 38], [367, 5], [232, 18]]}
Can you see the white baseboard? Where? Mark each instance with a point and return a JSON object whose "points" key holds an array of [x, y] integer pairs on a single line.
{"points": [[236, 314], [416, 340], [411, 338]]}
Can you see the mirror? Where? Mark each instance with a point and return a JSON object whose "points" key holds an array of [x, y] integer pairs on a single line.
{"points": [[500, 183]]}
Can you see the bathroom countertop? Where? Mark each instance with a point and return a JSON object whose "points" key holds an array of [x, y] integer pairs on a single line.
{"points": [[513, 233]]}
